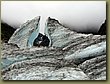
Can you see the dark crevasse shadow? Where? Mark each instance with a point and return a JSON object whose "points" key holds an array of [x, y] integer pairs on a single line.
{"points": [[41, 40]]}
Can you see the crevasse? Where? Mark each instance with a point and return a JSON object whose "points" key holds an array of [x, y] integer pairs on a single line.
{"points": [[32, 37], [35, 34]]}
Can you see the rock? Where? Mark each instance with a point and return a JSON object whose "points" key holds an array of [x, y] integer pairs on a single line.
{"points": [[6, 32], [102, 30], [71, 56]]}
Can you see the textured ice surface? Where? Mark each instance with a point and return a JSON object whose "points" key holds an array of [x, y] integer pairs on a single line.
{"points": [[89, 52], [22, 34]]}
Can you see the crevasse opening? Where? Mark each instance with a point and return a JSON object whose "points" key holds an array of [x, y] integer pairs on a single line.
{"points": [[35, 34]]}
